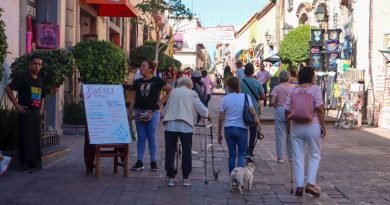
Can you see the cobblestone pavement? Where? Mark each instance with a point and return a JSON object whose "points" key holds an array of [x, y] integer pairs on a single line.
{"points": [[354, 169]]}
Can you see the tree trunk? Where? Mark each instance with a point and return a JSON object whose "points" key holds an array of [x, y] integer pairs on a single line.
{"points": [[156, 53]]}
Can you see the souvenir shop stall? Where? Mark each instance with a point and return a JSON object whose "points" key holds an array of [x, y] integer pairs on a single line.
{"points": [[343, 88]]}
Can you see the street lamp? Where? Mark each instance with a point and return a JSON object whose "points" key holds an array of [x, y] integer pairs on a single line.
{"points": [[320, 14], [268, 37], [253, 43]]}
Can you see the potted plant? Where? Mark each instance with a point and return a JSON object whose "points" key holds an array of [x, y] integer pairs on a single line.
{"points": [[100, 62], [57, 64], [3, 44]]}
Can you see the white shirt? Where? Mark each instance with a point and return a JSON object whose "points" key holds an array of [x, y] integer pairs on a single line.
{"points": [[233, 107]]}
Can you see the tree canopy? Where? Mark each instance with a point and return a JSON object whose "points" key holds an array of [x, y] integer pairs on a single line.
{"points": [[3, 44], [164, 18], [296, 45]]}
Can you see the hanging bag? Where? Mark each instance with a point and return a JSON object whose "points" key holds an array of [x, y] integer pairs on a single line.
{"points": [[249, 120], [143, 115], [302, 109]]}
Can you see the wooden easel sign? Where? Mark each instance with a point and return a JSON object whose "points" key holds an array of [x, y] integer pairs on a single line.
{"points": [[106, 114]]}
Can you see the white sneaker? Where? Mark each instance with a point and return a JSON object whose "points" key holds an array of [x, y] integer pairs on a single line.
{"points": [[171, 182], [4, 164], [280, 160], [186, 182]]}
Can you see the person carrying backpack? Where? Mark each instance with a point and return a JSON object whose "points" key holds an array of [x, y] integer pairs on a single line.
{"points": [[305, 124]]}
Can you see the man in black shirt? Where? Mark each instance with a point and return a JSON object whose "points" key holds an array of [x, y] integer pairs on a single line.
{"points": [[29, 86]]}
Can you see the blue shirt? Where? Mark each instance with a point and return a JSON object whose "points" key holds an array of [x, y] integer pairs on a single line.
{"points": [[240, 73], [233, 107], [256, 87]]}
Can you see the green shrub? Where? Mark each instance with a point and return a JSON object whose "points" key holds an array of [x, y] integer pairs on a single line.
{"points": [[74, 114], [3, 44], [100, 62], [57, 64], [163, 46], [141, 53], [281, 68], [295, 46], [147, 52]]}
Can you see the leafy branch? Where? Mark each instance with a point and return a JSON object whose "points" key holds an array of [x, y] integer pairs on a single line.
{"points": [[164, 18]]}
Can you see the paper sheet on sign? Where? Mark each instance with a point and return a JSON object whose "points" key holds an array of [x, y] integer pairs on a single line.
{"points": [[106, 114]]}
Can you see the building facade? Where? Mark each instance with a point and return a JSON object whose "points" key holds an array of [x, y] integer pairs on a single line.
{"points": [[69, 22]]}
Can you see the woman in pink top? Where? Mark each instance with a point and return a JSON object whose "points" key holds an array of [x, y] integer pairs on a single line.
{"points": [[279, 95], [309, 133], [208, 84]]}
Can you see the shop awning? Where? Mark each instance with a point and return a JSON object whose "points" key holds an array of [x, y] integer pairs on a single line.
{"points": [[259, 50], [238, 54], [385, 51], [114, 8], [272, 59], [178, 37]]}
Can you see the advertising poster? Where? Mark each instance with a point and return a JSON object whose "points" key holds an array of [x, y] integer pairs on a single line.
{"points": [[106, 114]]}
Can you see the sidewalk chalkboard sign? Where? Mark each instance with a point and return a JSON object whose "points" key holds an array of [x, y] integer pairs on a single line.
{"points": [[106, 114]]}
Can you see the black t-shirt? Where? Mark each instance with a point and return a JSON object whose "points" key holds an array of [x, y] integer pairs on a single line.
{"points": [[30, 90], [148, 93]]}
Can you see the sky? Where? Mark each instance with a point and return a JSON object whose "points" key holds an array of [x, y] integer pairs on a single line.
{"points": [[224, 12]]}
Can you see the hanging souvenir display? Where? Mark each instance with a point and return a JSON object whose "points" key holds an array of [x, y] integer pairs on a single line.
{"points": [[317, 37], [331, 60], [331, 46], [334, 34], [316, 61]]}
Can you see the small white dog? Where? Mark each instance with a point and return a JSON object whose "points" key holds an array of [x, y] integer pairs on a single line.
{"points": [[241, 176]]}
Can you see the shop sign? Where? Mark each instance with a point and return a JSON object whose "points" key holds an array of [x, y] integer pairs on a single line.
{"points": [[384, 118], [47, 36], [220, 34], [31, 9]]}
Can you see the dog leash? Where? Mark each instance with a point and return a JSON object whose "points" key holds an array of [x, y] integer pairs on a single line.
{"points": [[259, 136]]}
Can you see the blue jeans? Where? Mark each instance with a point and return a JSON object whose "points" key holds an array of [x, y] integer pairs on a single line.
{"points": [[148, 131], [236, 138], [280, 133]]}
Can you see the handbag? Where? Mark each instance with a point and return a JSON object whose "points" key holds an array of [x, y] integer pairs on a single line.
{"points": [[143, 115], [302, 109], [133, 130], [249, 120]]}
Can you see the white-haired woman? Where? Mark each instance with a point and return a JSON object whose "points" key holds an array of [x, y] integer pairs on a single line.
{"points": [[181, 112], [279, 95]]}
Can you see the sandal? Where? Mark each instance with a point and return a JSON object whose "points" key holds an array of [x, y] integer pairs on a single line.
{"points": [[311, 189]]}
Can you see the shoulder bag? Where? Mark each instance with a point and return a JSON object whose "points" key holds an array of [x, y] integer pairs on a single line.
{"points": [[249, 120]]}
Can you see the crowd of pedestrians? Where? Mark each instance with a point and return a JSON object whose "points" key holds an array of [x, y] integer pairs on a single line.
{"points": [[188, 95], [298, 103]]}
